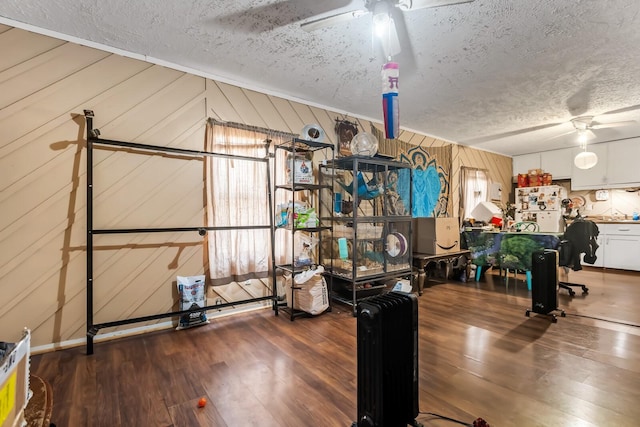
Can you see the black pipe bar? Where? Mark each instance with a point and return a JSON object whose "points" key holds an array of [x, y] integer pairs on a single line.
{"points": [[274, 286], [173, 229], [89, 129], [98, 326], [174, 150]]}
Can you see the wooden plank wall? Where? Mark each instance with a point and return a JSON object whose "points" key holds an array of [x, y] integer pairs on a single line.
{"points": [[45, 84]]}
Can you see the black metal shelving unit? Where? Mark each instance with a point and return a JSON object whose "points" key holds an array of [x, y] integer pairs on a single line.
{"points": [[93, 139], [309, 191], [377, 234]]}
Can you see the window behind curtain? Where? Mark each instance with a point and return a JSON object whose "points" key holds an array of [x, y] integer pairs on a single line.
{"points": [[237, 194], [475, 189]]}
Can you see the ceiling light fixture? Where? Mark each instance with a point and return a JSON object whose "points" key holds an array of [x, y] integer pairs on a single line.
{"points": [[384, 29], [381, 19], [585, 159], [582, 123], [582, 137]]}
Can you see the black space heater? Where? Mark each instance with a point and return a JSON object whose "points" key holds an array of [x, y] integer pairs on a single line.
{"points": [[544, 283], [388, 361]]}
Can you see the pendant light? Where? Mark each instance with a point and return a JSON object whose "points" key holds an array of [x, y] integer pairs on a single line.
{"points": [[585, 159]]}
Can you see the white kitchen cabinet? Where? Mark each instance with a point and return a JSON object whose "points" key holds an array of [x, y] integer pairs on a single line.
{"points": [[559, 163], [622, 252], [617, 166], [596, 177], [621, 244], [524, 162], [622, 163]]}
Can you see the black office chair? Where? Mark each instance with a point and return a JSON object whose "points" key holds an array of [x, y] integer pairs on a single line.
{"points": [[565, 251], [579, 238]]}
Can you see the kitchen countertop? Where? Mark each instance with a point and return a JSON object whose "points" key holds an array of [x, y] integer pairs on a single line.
{"points": [[606, 220], [614, 221]]}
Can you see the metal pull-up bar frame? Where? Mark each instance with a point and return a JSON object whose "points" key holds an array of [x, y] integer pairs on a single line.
{"points": [[93, 137]]}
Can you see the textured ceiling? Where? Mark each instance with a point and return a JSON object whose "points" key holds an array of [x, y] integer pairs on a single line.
{"points": [[501, 75]]}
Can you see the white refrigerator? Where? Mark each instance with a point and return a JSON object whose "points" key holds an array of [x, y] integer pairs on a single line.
{"points": [[542, 205]]}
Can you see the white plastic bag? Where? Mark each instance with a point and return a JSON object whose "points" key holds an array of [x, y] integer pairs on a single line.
{"points": [[311, 293]]}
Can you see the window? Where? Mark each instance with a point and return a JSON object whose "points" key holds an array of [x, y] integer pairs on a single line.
{"points": [[237, 196], [475, 189]]}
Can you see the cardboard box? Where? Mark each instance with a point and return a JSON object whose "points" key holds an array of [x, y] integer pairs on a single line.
{"points": [[535, 171], [535, 180], [435, 236], [523, 180], [14, 383]]}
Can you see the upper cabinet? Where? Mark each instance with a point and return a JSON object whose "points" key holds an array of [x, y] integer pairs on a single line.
{"points": [[559, 163], [556, 162], [622, 162], [596, 177], [617, 166], [524, 162]]}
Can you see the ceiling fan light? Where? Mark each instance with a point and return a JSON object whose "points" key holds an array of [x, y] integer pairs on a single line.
{"points": [[582, 136], [381, 22], [585, 160], [384, 30]]}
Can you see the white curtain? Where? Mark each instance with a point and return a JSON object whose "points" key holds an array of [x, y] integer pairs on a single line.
{"points": [[237, 195], [475, 189]]}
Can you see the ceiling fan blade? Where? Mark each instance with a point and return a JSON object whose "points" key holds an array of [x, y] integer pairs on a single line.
{"points": [[622, 110], [569, 132], [487, 138], [328, 21], [422, 4], [257, 19], [596, 125]]}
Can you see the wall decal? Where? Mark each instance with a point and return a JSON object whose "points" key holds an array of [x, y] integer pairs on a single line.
{"points": [[430, 182]]}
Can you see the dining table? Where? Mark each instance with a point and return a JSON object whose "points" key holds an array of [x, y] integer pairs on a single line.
{"points": [[507, 250]]}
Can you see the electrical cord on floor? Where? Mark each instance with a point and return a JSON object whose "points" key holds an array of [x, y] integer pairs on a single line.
{"points": [[604, 320], [478, 422], [617, 322]]}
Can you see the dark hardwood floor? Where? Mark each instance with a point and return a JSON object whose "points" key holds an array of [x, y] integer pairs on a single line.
{"points": [[479, 356]]}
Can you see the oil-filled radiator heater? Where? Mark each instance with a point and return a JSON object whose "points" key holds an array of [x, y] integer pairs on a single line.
{"points": [[544, 283], [387, 358]]}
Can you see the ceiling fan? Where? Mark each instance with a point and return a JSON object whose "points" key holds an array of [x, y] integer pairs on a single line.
{"points": [[585, 125], [387, 20]]}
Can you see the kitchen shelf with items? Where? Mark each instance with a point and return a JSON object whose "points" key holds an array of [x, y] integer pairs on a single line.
{"points": [[371, 216], [304, 230]]}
